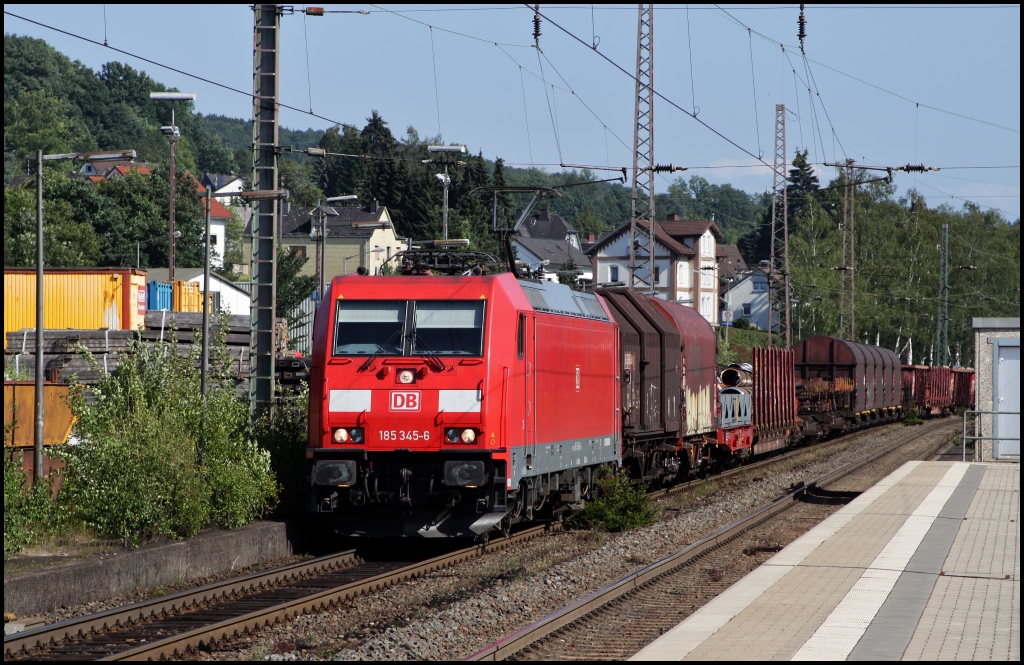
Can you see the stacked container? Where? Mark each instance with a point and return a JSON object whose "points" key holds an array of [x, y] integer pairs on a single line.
{"points": [[77, 298]]}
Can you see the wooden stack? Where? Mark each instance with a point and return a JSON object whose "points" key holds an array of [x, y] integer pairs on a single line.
{"points": [[64, 355]]}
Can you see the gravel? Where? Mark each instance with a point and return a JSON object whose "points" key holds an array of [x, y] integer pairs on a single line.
{"points": [[454, 613]]}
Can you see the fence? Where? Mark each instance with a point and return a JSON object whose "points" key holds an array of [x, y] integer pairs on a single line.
{"points": [[300, 336], [967, 438]]}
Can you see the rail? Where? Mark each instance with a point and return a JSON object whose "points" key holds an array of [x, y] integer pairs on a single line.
{"points": [[966, 438], [576, 611]]}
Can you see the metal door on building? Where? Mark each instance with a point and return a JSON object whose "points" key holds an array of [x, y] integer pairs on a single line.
{"points": [[1006, 398]]}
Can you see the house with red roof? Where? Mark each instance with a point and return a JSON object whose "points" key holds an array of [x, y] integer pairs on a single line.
{"points": [[685, 266]]}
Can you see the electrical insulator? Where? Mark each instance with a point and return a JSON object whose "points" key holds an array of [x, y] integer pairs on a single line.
{"points": [[667, 168], [536, 24], [801, 28], [314, 11]]}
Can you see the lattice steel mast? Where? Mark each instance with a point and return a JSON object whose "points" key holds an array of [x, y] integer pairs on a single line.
{"points": [[642, 199], [847, 266], [778, 266], [265, 91]]}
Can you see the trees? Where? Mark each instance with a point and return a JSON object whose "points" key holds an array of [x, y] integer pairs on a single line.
{"points": [[292, 288]]}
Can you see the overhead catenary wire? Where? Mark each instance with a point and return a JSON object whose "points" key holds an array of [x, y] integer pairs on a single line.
{"points": [[338, 122], [655, 92], [437, 97]]}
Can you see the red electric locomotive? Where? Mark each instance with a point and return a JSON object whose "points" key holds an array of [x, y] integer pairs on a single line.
{"points": [[451, 406]]}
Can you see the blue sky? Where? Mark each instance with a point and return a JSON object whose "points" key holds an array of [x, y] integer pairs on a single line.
{"points": [[889, 85]]}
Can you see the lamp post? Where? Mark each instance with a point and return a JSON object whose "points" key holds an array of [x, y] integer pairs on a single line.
{"points": [[445, 180], [321, 254], [344, 261], [799, 318], [37, 457], [172, 134]]}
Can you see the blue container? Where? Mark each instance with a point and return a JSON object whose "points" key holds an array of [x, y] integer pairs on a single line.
{"points": [[159, 295]]}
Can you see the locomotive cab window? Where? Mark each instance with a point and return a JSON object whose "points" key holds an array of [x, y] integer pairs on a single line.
{"points": [[409, 328], [369, 326], [449, 327]]}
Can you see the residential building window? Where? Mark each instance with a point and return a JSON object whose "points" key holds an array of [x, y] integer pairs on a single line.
{"points": [[213, 240], [760, 286], [746, 309], [613, 273], [657, 274]]}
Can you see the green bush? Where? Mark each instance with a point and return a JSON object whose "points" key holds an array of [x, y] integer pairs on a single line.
{"points": [[154, 460], [28, 510], [621, 504], [284, 438], [726, 355]]}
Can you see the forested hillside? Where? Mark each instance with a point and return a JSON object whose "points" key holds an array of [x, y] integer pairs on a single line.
{"points": [[58, 105]]}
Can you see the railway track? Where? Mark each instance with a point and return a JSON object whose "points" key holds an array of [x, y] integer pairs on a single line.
{"points": [[174, 624], [615, 622], [181, 622]]}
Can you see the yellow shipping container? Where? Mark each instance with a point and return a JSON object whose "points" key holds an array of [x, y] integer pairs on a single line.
{"points": [[188, 297], [75, 298]]}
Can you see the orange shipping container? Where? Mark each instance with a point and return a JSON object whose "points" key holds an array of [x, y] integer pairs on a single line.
{"points": [[20, 414], [76, 298]]}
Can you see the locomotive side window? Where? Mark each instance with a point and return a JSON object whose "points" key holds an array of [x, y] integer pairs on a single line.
{"points": [[521, 336], [449, 327], [369, 326]]}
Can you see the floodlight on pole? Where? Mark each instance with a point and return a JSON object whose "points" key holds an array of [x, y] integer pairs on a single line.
{"points": [[445, 180], [37, 453], [172, 133]]}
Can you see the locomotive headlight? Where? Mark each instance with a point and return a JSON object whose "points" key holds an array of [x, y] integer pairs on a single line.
{"points": [[406, 376], [341, 435], [357, 434], [451, 435], [468, 436]]}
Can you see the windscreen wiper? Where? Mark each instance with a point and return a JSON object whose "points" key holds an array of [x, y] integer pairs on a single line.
{"points": [[433, 359], [380, 349]]}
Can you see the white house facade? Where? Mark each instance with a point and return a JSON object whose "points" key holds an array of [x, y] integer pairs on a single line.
{"points": [[685, 267], [747, 298]]}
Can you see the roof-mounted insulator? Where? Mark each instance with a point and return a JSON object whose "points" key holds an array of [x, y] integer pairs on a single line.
{"points": [[536, 25], [314, 11], [801, 28], [918, 168]]}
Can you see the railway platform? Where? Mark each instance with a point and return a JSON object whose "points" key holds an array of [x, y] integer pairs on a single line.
{"points": [[925, 565]]}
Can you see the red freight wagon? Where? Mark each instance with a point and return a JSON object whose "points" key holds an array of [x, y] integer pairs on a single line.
{"points": [[669, 380], [874, 371], [448, 406], [930, 388], [940, 389], [963, 388], [774, 403]]}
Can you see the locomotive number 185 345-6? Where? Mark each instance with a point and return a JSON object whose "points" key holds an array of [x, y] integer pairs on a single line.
{"points": [[403, 435]]}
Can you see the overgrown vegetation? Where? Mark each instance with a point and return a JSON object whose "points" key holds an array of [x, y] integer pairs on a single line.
{"points": [[913, 418], [621, 504], [284, 438], [26, 507], [154, 459]]}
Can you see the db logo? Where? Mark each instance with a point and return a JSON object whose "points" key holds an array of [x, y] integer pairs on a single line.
{"points": [[405, 400]]}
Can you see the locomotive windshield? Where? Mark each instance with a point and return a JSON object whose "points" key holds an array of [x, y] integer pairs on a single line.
{"points": [[409, 328]]}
